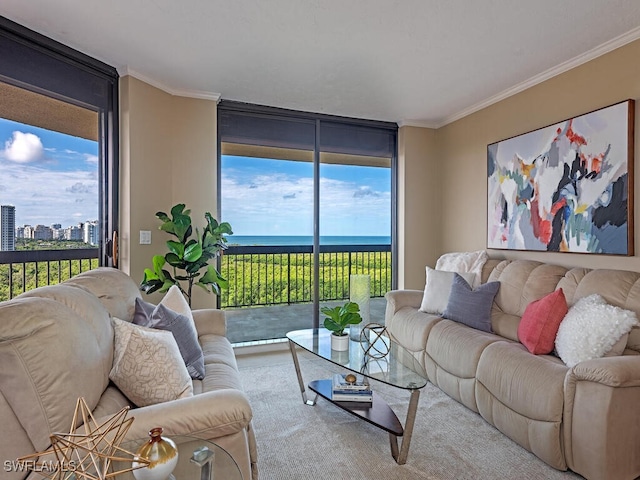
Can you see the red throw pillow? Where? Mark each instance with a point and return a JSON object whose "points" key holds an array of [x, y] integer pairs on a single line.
{"points": [[539, 324]]}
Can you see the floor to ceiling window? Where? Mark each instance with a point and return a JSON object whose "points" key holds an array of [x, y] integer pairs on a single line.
{"points": [[58, 160], [310, 201], [50, 171]]}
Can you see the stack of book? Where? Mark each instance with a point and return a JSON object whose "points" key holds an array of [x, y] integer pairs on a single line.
{"points": [[345, 391]]}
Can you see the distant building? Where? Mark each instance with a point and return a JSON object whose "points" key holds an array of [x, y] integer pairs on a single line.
{"points": [[90, 232], [73, 233], [19, 232], [42, 232], [58, 231], [7, 228]]}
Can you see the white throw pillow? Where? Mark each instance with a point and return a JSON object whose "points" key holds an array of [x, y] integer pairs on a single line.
{"points": [[591, 329], [438, 288], [471, 262], [147, 365], [174, 300]]}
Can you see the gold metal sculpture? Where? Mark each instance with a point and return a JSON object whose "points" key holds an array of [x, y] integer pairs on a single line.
{"points": [[87, 455]]}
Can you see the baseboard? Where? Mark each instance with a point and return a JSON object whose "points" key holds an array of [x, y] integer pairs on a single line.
{"points": [[262, 346]]}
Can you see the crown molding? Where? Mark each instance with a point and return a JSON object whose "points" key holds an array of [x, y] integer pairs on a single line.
{"points": [[600, 50], [596, 52], [417, 123], [125, 70]]}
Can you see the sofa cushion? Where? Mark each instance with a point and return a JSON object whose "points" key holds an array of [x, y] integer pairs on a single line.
{"points": [[471, 306], [115, 289], [50, 356], [410, 328], [522, 395], [147, 365], [183, 329], [591, 328], [539, 324], [521, 282], [111, 402], [91, 310], [452, 355], [438, 288], [220, 366]]}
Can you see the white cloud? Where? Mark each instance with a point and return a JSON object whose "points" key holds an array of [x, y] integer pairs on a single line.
{"points": [[92, 159], [43, 196], [23, 148], [80, 188], [283, 205]]}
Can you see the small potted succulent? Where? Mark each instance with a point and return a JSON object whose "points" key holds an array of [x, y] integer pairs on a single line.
{"points": [[338, 318]]}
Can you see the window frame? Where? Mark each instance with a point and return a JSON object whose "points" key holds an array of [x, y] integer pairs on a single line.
{"points": [[73, 77], [253, 111]]}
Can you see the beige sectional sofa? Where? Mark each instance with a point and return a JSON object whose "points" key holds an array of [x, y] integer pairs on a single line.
{"points": [[57, 344], [585, 418]]}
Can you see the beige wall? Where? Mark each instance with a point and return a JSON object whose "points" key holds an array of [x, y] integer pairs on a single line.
{"points": [[168, 156], [606, 80], [419, 204]]}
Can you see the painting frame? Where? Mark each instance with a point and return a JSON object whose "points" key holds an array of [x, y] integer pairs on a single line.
{"points": [[567, 187]]}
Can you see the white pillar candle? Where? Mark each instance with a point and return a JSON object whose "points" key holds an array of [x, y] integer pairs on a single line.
{"points": [[360, 293]]}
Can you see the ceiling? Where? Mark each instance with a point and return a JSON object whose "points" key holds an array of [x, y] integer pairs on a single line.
{"points": [[415, 62]]}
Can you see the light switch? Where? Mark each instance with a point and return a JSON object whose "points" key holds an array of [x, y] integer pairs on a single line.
{"points": [[145, 237]]}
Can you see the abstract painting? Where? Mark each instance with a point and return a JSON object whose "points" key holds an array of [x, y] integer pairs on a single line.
{"points": [[567, 187]]}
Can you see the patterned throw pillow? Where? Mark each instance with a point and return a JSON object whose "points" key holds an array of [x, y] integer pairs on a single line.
{"points": [[147, 365], [471, 307], [539, 324]]}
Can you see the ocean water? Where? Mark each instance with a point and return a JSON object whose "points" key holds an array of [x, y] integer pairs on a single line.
{"points": [[245, 240]]}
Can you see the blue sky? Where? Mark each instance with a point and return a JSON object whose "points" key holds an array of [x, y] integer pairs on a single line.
{"points": [[50, 177], [275, 197], [53, 178]]}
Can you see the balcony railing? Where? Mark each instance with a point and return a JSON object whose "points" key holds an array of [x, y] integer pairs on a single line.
{"points": [[28, 269], [276, 275], [258, 275]]}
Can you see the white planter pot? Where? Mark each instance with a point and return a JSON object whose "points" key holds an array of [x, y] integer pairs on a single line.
{"points": [[339, 343]]}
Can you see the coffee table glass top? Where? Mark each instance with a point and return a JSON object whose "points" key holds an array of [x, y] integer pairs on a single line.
{"points": [[198, 459], [397, 367]]}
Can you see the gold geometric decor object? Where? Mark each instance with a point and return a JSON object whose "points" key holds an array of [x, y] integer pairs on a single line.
{"points": [[85, 455]]}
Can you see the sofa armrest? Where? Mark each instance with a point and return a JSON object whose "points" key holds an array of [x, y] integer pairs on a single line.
{"points": [[210, 321], [601, 417], [208, 415], [622, 371], [397, 299]]}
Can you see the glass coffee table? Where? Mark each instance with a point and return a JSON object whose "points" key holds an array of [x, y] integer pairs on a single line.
{"points": [[376, 357]]}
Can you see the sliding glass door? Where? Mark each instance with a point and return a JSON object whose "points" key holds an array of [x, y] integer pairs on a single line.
{"points": [[309, 200], [355, 207]]}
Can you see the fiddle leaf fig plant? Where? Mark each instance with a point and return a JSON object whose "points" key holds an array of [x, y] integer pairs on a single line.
{"points": [[338, 318], [188, 258]]}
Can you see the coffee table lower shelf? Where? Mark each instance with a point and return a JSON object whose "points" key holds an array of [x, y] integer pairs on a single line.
{"points": [[377, 413]]}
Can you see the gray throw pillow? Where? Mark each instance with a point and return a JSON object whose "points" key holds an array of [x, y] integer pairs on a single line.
{"points": [[471, 307], [160, 317]]}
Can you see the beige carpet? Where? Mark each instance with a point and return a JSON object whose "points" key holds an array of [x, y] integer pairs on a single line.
{"points": [[450, 442]]}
